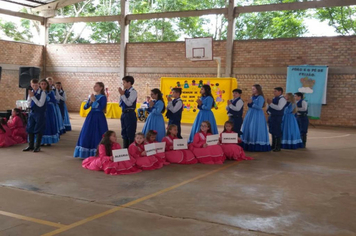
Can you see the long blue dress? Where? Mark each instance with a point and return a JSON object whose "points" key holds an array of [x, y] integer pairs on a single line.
{"points": [[95, 125], [255, 136], [50, 134], [58, 115], [290, 129], [205, 114], [66, 120], [155, 121]]}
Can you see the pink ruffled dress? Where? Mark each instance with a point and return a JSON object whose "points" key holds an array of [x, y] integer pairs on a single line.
{"points": [[160, 156], [233, 151], [18, 129], [104, 163], [206, 155], [184, 157], [6, 137], [144, 162]]}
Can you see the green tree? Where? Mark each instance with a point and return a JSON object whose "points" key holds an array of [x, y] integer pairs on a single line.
{"points": [[343, 19], [268, 25]]}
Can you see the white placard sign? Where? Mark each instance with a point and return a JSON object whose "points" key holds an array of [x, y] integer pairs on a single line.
{"points": [[120, 155], [150, 149], [229, 138], [160, 147], [212, 139], [180, 144]]}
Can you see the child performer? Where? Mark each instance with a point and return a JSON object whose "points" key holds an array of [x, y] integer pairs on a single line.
{"points": [[127, 103], [137, 151], [151, 138], [177, 156], [141, 111], [205, 104], [302, 116], [17, 123], [254, 129], [37, 101], [95, 125], [61, 98], [57, 111], [275, 110], [5, 135], [175, 109], [290, 130], [155, 118], [51, 132], [232, 151], [103, 159], [235, 109], [206, 154]]}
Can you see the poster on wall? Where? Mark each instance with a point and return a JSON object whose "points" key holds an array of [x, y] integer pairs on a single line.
{"points": [[221, 89], [312, 82]]}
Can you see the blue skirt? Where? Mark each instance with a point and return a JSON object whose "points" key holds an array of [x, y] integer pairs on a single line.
{"points": [[50, 134], [95, 125], [155, 122], [291, 134], [255, 137], [66, 122], [203, 115], [59, 120]]}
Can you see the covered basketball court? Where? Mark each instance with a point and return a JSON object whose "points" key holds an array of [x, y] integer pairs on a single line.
{"points": [[301, 192]]}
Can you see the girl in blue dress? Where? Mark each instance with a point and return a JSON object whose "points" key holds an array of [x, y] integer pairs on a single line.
{"points": [[205, 104], [95, 125], [57, 111], [255, 136], [290, 129], [50, 134], [155, 118], [61, 98]]}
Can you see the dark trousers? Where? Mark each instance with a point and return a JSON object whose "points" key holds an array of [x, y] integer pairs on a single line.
{"points": [[128, 125], [303, 123], [275, 126], [177, 123], [36, 123], [237, 124]]}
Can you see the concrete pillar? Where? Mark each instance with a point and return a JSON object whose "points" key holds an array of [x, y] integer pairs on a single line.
{"points": [[230, 38], [124, 36]]}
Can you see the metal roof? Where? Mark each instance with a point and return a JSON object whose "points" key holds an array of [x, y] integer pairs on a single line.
{"points": [[29, 3]]}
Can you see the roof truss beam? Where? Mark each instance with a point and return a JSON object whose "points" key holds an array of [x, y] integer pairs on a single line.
{"points": [[22, 15]]}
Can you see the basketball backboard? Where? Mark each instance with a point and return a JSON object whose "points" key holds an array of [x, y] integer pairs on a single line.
{"points": [[199, 49]]}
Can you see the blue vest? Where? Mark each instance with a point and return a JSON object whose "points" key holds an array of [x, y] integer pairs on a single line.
{"points": [[276, 112], [34, 107], [175, 116], [236, 113], [299, 104], [123, 105]]}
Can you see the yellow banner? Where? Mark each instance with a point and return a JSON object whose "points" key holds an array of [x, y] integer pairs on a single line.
{"points": [[221, 89]]}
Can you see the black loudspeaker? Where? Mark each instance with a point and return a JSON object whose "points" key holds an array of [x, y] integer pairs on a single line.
{"points": [[0, 72], [27, 74]]}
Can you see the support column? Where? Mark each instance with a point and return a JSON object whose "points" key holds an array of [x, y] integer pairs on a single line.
{"points": [[124, 36], [230, 38], [44, 41]]}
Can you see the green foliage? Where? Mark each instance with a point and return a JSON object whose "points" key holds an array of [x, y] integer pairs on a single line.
{"points": [[11, 30], [343, 19]]}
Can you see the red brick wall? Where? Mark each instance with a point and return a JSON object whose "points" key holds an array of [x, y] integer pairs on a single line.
{"points": [[15, 54]]}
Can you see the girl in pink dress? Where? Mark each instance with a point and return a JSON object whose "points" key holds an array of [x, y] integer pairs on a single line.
{"points": [[151, 138], [137, 151], [232, 151], [17, 124], [177, 156], [5, 134], [206, 154], [103, 159]]}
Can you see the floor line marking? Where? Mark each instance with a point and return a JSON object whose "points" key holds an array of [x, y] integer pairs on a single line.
{"points": [[118, 208], [26, 218]]}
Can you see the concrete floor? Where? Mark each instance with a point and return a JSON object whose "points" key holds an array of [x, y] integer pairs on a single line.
{"points": [[303, 192]]}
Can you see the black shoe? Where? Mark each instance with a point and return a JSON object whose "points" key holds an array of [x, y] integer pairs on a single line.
{"points": [[278, 145], [30, 147], [37, 149]]}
